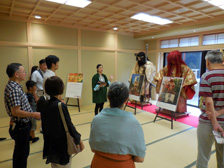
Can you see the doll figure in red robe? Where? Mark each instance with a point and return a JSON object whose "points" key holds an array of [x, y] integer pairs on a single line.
{"points": [[176, 67]]}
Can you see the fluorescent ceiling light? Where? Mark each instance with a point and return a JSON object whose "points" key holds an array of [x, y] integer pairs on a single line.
{"points": [[58, 1], [218, 3], [151, 19], [78, 3], [115, 28], [37, 17]]}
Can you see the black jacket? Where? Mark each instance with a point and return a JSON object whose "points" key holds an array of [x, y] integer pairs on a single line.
{"points": [[55, 141]]}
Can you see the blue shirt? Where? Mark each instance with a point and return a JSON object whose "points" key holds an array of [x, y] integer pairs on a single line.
{"points": [[117, 131]]}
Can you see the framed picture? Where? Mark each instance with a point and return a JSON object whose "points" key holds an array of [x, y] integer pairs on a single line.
{"points": [[74, 85], [136, 86], [169, 93], [75, 77]]}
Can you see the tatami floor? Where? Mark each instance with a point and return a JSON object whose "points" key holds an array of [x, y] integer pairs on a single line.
{"points": [[166, 148]]}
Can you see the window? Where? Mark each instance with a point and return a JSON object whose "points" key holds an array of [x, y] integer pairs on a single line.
{"points": [[169, 43], [182, 42], [213, 39], [190, 41]]}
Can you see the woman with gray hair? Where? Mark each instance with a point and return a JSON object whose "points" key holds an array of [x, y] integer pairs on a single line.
{"points": [[116, 137]]}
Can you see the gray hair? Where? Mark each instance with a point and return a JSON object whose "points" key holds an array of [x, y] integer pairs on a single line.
{"points": [[214, 56], [118, 93]]}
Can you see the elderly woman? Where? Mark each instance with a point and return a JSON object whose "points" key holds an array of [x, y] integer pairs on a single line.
{"points": [[116, 136]]}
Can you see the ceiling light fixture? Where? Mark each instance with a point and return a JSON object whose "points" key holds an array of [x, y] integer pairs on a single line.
{"points": [[115, 28], [217, 3], [37, 17], [76, 3], [151, 19]]}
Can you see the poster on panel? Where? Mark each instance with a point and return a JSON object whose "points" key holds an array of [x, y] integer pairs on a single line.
{"points": [[169, 93], [74, 85], [136, 86]]}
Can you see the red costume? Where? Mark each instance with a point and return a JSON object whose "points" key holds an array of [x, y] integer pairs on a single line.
{"points": [[176, 67]]}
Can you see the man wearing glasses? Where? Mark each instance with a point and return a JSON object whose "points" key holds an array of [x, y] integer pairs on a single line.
{"points": [[20, 112]]}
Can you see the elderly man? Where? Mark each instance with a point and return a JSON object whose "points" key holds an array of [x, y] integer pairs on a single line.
{"points": [[20, 112], [212, 96]]}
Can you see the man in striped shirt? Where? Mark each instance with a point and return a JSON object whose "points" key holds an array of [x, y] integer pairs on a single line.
{"points": [[212, 117]]}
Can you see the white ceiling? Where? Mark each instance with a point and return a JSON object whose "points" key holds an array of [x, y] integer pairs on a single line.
{"points": [[103, 15]]}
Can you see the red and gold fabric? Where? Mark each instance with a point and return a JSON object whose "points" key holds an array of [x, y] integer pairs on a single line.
{"points": [[187, 91]]}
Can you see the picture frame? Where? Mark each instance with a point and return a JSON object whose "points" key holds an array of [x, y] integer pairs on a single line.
{"points": [[74, 85], [135, 87], [169, 93]]}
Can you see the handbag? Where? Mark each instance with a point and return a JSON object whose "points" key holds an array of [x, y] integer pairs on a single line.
{"points": [[72, 147]]}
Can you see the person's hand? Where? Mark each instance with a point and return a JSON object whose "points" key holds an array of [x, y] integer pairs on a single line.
{"points": [[36, 115], [61, 99], [218, 128], [209, 114], [81, 146], [218, 113], [111, 78]]}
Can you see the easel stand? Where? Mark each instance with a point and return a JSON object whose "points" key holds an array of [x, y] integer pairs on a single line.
{"points": [[173, 115], [73, 105], [142, 104], [131, 106]]}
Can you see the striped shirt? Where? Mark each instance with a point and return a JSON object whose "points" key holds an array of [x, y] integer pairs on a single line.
{"points": [[212, 85], [14, 96]]}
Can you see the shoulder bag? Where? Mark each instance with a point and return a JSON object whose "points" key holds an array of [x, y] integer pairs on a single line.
{"points": [[72, 147]]}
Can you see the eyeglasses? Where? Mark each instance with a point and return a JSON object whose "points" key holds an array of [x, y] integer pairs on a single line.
{"points": [[21, 72]]}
